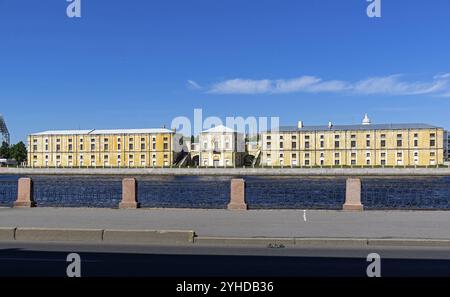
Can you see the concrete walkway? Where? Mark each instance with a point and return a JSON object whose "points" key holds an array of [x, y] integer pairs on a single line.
{"points": [[254, 223]]}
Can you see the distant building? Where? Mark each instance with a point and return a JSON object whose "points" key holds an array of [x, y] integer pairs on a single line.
{"points": [[104, 148], [366, 144], [447, 145], [219, 146]]}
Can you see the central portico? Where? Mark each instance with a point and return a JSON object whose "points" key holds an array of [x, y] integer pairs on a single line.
{"points": [[221, 146]]}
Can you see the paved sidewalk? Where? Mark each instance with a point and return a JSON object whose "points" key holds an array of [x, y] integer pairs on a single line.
{"points": [[254, 223]]}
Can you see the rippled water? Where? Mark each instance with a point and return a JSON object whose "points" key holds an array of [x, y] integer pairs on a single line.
{"points": [[213, 192]]}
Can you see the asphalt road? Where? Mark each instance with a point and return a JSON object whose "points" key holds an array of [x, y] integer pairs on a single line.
{"points": [[50, 259]]}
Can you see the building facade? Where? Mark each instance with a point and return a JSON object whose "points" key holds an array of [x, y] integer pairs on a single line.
{"points": [[219, 146], [104, 148], [447, 145], [354, 145]]}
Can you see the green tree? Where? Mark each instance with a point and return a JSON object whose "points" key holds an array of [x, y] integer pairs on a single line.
{"points": [[19, 152], [5, 151]]}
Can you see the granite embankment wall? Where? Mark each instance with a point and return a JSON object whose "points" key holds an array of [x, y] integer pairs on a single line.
{"points": [[231, 171]]}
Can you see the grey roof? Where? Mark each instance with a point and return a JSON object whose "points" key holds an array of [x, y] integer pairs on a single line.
{"points": [[357, 127]]}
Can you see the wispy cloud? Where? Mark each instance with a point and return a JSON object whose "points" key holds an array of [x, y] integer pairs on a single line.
{"points": [[397, 85], [193, 85]]}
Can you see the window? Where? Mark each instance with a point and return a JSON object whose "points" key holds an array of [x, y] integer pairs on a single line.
{"points": [[432, 142], [383, 162], [165, 139], [353, 136], [142, 139], [35, 147], [269, 145], [58, 147], [92, 146], [368, 136], [336, 155], [432, 154], [268, 137], [58, 140], [416, 142], [353, 162], [336, 144], [306, 137], [105, 147], [383, 143], [154, 146], [294, 137], [399, 142], [281, 137], [46, 147], [281, 155], [353, 155], [306, 162], [105, 140], [142, 146], [294, 145], [367, 162], [70, 147], [142, 157], [118, 146], [416, 135], [368, 143], [432, 135], [383, 136], [166, 146], [353, 144], [336, 162], [70, 140], [368, 155], [322, 137], [383, 155], [294, 156], [399, 155], [307, 145], [130, 146], [321, 144], [281, 145]]}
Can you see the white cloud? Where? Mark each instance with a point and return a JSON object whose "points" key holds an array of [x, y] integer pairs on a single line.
{"points": [[439, 85], [193, 85], [242, 86]]}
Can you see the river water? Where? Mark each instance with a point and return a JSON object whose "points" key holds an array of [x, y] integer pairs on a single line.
{"points": [[213, 192]]}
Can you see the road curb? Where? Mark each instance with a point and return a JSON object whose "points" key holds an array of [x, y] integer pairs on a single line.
{"points": [[148, 236], [7, 233], [54, 234], [236, 241]]}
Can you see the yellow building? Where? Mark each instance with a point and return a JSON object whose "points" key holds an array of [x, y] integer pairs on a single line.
{"points": [[354, 145], [103, 148]]}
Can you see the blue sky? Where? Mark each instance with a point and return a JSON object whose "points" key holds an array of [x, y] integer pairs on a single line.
{"points": [[140, 63]]}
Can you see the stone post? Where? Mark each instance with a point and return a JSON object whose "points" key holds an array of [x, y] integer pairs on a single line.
{"points": [[237, 195], [25, 193], [353, 195], [129, 194]]}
